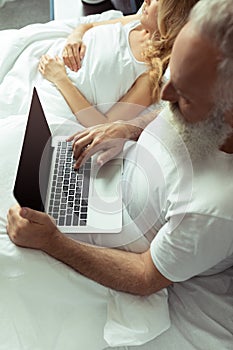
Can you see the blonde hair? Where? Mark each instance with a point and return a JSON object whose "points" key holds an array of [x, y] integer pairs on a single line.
{"points": [[172, 15]]}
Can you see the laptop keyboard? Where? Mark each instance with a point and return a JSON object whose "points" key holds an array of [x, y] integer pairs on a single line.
{"points": [[68, 203]]}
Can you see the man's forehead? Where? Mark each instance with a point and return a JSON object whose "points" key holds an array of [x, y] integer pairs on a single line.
{"points": [[193, 57]]}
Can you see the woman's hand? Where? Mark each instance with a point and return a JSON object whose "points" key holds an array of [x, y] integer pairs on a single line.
{"points": [[73, 54], [52, 69], [30, 228], [108, 138]]}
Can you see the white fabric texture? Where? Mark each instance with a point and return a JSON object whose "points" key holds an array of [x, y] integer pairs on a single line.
{"points": [[2, 2], [187, 204], [114, 57], [24, 47], [116, 322], [60, 310], [199, 238], [123, 328], [108, 69], [201, 315], [44, 304]]}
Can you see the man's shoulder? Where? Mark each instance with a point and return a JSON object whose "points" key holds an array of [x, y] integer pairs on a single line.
{"points": [[195, 242]]}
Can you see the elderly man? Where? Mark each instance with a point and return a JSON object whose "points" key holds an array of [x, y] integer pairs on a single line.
{"points": [[182, 206]]}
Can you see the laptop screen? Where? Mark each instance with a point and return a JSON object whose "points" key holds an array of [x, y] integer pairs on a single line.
{"points": [[29, 190]]}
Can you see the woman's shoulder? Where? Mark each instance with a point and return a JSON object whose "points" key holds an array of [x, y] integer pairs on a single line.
{"points": [[133, 24]]}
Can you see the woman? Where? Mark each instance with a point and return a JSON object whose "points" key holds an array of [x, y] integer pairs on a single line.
{"points": [[127, 67]]}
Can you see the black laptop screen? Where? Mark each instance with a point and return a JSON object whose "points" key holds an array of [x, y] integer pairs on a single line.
{"points": [[29, 190]]}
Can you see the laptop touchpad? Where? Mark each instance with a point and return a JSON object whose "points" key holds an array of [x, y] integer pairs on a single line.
{"points": [[107, 183]]}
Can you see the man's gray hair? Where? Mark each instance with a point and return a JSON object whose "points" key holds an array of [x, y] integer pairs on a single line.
{"points": [[214, 20]]}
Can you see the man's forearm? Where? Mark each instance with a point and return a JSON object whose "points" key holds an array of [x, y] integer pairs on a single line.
{"points": [[113, 268], [144, 120], [121, 270], [137, 125]]}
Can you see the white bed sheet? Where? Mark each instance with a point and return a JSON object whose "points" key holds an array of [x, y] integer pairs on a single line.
{"points": [[2, 2], [42, 301], [44, 304]]}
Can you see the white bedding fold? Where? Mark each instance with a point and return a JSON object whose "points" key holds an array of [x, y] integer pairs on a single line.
{"points": [[44, 304], [135, 320]]}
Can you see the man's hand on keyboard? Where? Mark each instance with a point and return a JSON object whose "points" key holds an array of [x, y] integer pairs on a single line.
{"points": [[108, 138]]}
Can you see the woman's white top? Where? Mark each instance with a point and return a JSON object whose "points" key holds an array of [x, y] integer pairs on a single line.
{"points": [[109, 67]]}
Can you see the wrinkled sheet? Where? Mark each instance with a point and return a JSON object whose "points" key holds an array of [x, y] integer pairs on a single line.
{"points": [[44, 304], [40, 295], [201, 312]]}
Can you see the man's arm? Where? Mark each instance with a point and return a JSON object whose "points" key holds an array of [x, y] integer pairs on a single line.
{"points": [[108, 138], [120, 270]]}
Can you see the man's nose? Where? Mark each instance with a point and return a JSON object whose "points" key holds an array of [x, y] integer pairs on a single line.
{"points": [[169, 93]]}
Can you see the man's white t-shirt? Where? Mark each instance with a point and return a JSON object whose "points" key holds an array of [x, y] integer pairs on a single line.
{"points": [[186, 208]]}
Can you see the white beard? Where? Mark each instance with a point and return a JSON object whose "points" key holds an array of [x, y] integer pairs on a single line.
{"points": [[202, 138]]}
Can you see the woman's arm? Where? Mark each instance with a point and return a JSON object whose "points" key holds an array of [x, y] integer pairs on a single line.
{"points": [[74, 49], [127, 108]]}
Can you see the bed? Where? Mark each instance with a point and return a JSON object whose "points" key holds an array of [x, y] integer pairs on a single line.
{"points": [[45, 305]]}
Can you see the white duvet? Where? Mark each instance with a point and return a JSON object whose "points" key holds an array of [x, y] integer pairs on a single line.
{"points": [[45, 305]]}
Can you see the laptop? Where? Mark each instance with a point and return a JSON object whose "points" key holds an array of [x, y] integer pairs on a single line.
{"points": [[87, 200]]}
